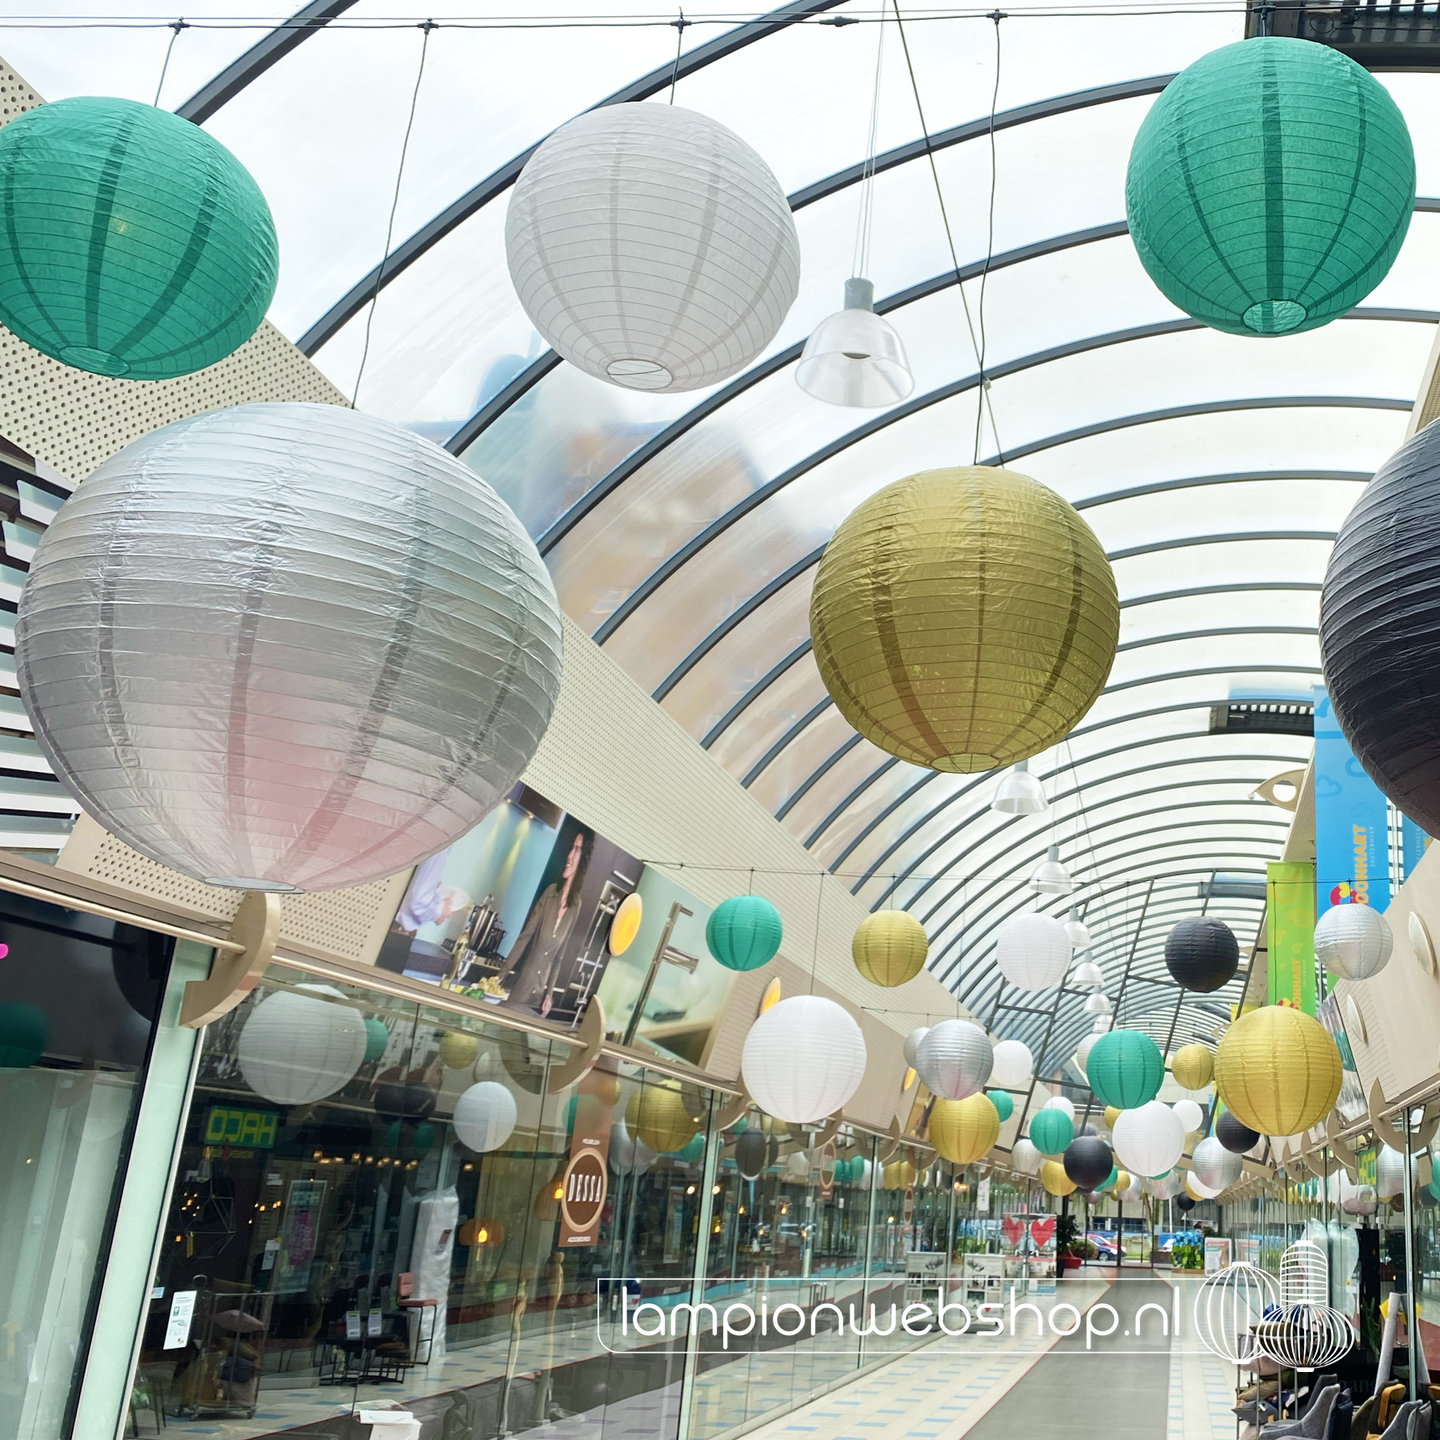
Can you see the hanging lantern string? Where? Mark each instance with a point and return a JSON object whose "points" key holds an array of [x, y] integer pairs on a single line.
{"points": [[815, 955], [425, 28], [176, 26], [860, 262], [982, 389], [997, 16], [679, 25]]}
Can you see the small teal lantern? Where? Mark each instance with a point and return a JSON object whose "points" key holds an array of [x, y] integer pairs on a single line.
{"points": [[1051, 1131], [1001, 1100], [377, 1037], [692, 1150], [743, 932], [1125, 1069]]}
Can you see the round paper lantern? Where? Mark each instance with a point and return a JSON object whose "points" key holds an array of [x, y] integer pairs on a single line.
{"points": [[1389, 1173], [803, 1059], [692, 1150], [626, 1155], [1216, 1166], [1051, 1131], [912, 1044], [1055, 1180], [204, 574], [750, 1154], [377, 1037], [743, 932], [1004, 1105], [1121, 1184], [1149, 1139], [1193, 1067], [1166, 1186], [1278, 1070], [1270, 187], [1014, 1066], [1190, 1115], [797, 1167], [1353, 941], [1064, 1104], [1201, 954], [963, 1130], [1125, 1069], [24, 1032], [1112, 1114], [652, 247], [1025, 1158], [1088, 1162], [1184, 1204], [955, 1059], [1082, 1051], [296, 1047], [1197, 1188], [963, 619], [458, 1050], [657, 1116], [889, 947], [131, 242], [484, 1116], [410, 1099], [1236, 1137], [1109, 1181], [1033, 951]]}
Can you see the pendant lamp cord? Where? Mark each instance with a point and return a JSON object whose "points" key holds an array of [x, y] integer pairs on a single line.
{"points": [[815, 955], [176, 26], [679, 25], [860, 261], [997, 17], [426, 27], [983, 404]]}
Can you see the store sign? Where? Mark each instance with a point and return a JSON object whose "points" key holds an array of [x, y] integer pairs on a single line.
{"points": [[583, 1190], [1352, 851], [1290, 934], [247, 1129], [584, 1183]]}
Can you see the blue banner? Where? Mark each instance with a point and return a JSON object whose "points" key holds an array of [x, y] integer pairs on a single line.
{"points": [[1352, 852], [1413, 841]]}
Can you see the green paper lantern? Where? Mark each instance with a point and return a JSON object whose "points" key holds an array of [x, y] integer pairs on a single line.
{"points": [[1125, 1069], [131, 242], [692, 1150], [1270, 187], [377, 1037], [743, 932], [1004, 1105], [423, 1138], [1108, 1181], [1051, 1131], [23, 1033]]}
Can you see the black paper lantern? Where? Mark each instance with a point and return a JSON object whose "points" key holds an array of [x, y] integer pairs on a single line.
{"points": [[409, 1101], [1088, 1161], [1379, 637], [750, 1153], [1202, 954], [1184, 1204], [1238, 1139]]}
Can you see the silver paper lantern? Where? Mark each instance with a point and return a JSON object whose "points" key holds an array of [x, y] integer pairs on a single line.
{"points": [[287, 647], [912, 1044], [652, 247], [298, 1046], [1214, 1165], [954, 1059], [1353, 941]]}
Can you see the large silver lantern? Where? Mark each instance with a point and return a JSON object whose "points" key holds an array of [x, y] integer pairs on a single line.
{"points": [[287, 647]]}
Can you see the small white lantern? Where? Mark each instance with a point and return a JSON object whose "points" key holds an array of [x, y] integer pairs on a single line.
{"points": [[626, 1155], [1191, 1116], [1050, 877], [853, 357], [1353, 941], [1077, 932], [484, 1116], [912, 1045], [803, 1059], [954, 1059], [1198, 1189], [652, 247], [1032, 951], [1082, 1051], [296, 1048], [1166, 1186], [1062, 1102], [1019, 793], [1149, 1139], [1026, 1158], [1389, 1173], [1014, 1065], [1214, 1166]]}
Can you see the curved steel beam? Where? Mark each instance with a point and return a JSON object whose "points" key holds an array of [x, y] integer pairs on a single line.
{"points": [[1157, 487], [772, 674]]}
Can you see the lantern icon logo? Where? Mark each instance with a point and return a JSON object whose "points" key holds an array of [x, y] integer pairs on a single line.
{"points": [[1342, 894]]}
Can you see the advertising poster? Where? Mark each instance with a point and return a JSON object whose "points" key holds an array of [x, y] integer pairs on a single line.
{"points": [[1352, 849], [517, 911], [299, 1230], [1290, 934]]}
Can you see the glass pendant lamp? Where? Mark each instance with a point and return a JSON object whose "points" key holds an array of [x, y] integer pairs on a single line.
{"points": [[854, 357], [1019, 793]]}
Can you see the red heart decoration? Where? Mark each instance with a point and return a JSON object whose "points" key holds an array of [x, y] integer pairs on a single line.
{"points": [[1042, 1230], [1013, 1229]]}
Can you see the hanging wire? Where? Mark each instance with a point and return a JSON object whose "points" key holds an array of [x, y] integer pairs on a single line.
{"points": [[997, 17], [815, 955], [860, 262], [425, 28], [983, 388], [176, 26], [679, 25]]}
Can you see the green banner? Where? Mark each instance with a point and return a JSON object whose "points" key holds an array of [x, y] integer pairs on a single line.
{"points": [[1290, 934]]}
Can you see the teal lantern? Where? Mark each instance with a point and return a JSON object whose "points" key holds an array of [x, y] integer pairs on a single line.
{"points": [[743, 932], [377, 1037], [1270, 187], [692, 1150], [1004, 1105], [131, 242], [423, 1138], [23, 1033], [1125, 1069], [1051, 1131], [1109, 1180]]}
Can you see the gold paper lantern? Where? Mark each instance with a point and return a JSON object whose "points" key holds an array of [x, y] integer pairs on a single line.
{"points": [[964, 619], [547, 1197], [889, 947], [1121, 1183], [458, 1050], [897, 1175], [657, 1116], [963, 1130], [1193, 1067], [1278, 1070], [1054, 1178], [1112, 1114]]}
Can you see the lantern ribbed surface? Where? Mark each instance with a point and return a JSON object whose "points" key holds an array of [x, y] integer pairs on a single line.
{"points": [[1234, 1135], [744, 932], [1270, 186], [298, 1046], [652, 247], [1193, 1067], [1003, 1102], [1013, 1065], [1125, 1069], [656, 1116], [287, 647], [484, 1116], [803, 1059], [131, 242], [889, 947], [1032, 951], [963, 1130], [1214, 1165], [954, 1059], [1354, 941], [964, 619], [1051, 1131], [1201, 953], [1278, 1070], [1025, 1158], [1149, 1139], [1088, 1162], [1055, 1180]]}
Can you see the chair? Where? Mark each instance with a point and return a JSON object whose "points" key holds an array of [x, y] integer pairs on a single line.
{"points": [[1312, 1425], [405, 1299], [1402, 1423]]}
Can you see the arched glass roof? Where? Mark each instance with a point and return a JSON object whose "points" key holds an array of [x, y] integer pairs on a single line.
{"points": [[683, 530]]}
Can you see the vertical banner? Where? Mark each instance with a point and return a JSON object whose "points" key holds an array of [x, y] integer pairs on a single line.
{"points": [[1413, 842], [1352, 851], [1290, 934]]}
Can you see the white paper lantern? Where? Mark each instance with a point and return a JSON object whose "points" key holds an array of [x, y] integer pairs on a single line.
{"points": [[954, 1059], [1062, 1102], [797, 1167], [1014, 1065], [1133, 1191], [1149, 1139], [1197, 1189], [1389, 1173], [803, 1059], [296, 1048], [1026, 1158], [1214, 1166], [1191, 1116], [626, 1155], [1033, 951], [484, 1116], [912, 1045], [1353, 941], [652, 247], [1166, 1186], [1082, 1051], [287, 647]]}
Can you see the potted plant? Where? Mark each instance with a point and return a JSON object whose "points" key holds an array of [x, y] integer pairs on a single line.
{"points": [[1069, 1246]]}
